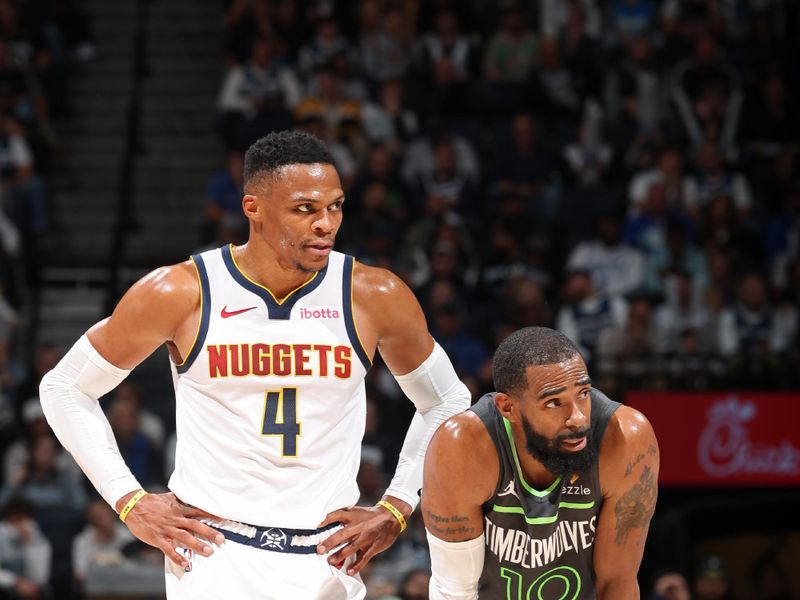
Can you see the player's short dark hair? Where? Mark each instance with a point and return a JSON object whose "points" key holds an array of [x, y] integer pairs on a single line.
{"points": [[278, 149], [524, 348]]}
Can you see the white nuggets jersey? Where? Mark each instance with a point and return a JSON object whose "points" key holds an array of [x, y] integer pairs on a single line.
{"points": [[270, 401]]}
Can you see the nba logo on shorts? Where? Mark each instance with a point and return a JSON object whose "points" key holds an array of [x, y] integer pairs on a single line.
{"points": [[188, 554], [273, 538]]}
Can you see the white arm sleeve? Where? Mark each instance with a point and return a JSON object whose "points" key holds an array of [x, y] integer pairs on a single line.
{"points": [[438, 394], [69, 395], [455, 568]]}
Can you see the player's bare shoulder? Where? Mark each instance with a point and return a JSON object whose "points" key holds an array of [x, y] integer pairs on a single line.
{"points": [[629, 458], [161, 307], [168, 294], [178, 283], [462, 452], [390, 318], [377, 285]]}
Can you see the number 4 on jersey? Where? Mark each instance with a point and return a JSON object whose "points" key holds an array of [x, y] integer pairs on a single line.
{"points": [[288, 427]]}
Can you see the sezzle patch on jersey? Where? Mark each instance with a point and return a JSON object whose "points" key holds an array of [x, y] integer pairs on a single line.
{"points": [[284, 360]]}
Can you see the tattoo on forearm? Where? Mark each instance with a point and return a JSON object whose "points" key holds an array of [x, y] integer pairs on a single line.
{"points": [[441, 525], [636, 506]]}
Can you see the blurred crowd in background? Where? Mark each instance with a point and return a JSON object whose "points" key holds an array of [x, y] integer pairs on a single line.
{"points": [[623, 171]]}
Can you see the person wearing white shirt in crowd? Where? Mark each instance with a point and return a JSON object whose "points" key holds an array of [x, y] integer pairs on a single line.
{"points": [[615, 268]]}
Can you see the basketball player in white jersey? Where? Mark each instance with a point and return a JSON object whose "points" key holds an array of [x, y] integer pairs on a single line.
{"points": [[269, 344]]}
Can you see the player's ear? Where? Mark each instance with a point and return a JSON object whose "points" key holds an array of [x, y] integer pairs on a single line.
{"points": [[505, 405], [251, 207]]}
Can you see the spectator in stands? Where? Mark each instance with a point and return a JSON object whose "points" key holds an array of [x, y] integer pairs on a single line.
{"points": [[464, 349], [460, 159], [769, 125], [371, 476], [385, 52], [100, 543], [523, 166], [707, 94], [24, 192], [647, 229], [678, 254], [249, 20], [723, 227], [511, 52], [782, 242], [554, 89], [714, 179], [582, 51], [670, 585], [447, 43], [589, 157], [327, 43], [381, 169], [446, 65], [751, 329], [334, 103], [555, 15], [711, 581], [223, 195], [257, 97], [689, 367], [45, 356], [668, 172], [140, 453], [9, 320], [633, 100], [374, 231], [45, 484], [585, 313], [150, 424], [17, 458], [390, 120], [682, 310], [524, 304], [630, 20], [615, 268], [24, 554], [445, 179], [414, 585], [308, 117], [627, 353], [16, 92]]}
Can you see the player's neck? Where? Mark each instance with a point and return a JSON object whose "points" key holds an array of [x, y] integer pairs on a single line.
{"points": [[535, 473], [265, 268]]}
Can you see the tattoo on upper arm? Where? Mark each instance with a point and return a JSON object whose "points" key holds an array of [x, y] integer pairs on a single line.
{"points": [[636, 506], [441, 525], [651, 451]]}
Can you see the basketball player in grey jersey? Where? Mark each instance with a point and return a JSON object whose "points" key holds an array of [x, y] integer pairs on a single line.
{"points": [[544, 489]]}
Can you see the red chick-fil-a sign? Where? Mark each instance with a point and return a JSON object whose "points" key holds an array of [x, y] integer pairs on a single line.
{"points": [[725, 438]]}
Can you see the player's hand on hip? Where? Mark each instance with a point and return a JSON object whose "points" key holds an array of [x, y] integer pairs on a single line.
{"points": [[164, 522], [366, 533]]}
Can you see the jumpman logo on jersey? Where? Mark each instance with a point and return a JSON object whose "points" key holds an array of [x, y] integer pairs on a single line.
{"points": [[225, 313], [509, 491]]}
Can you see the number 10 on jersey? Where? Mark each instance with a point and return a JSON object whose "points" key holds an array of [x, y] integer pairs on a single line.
{"points": [[288, 427]]}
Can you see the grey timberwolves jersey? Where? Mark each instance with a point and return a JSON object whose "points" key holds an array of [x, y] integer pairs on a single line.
{"points": [[539, 543]]}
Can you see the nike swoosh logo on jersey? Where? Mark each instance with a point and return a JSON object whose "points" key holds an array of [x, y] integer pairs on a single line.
{"points": [[225, 313]]}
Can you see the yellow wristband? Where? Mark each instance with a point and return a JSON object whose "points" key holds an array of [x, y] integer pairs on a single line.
{"points": [[397, 514], [123, 514]]}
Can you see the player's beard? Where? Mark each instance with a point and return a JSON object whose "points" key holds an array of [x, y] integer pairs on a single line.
{"points": [[559, 462]]}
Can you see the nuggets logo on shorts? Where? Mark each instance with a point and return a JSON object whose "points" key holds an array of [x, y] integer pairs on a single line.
{"points": [[273, 538]]}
